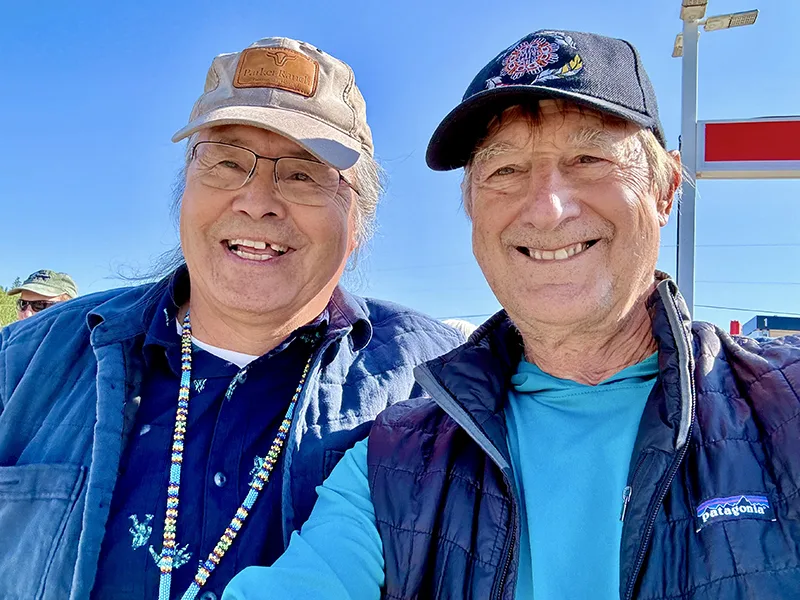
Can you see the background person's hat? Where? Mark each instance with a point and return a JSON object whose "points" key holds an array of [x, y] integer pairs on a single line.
{"points": [[48, 283], [602, 73], [293, 89]]}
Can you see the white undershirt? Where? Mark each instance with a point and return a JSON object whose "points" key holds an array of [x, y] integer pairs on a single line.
{"points": [[238, 358]]}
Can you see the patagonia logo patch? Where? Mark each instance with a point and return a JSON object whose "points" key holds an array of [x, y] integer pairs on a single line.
{"points": [[733, 508]]}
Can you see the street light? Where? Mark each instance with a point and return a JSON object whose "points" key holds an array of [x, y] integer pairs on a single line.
{"points": [[740, 19], [693, 10], [692, 13]]}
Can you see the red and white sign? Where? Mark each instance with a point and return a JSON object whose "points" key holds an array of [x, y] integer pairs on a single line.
{"points": [[767, 148]]}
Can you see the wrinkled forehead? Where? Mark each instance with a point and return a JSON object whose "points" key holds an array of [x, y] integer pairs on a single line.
{"points": [[563, 122]]}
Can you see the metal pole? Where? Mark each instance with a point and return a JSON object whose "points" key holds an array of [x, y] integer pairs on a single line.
{"points": [[686, 212]]}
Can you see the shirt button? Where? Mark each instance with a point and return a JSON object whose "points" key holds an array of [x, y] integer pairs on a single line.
{"points": [[220, 480], [207, 596], [144, 429]]}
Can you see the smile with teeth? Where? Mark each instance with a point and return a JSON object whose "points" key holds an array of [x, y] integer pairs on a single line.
{"points": [[255, 250], [559, 254]]}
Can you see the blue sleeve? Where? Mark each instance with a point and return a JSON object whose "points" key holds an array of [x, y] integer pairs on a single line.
{"points": [[338, 553]]}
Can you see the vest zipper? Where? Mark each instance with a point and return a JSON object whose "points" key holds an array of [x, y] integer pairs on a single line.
{"points": [[510, 554], [626, 497], [627, 491], [651, 519]]}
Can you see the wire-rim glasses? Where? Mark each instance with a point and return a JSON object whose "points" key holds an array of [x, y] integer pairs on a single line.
{"points": [[225, 166]]}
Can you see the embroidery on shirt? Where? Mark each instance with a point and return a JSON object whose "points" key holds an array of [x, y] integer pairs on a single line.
{"points": [[199, 385], [239, 378], [182, 556], [258, 462], [140, 531]]}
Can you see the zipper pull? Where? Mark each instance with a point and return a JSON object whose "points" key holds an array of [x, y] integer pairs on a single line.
{"points": [[626, 497]]}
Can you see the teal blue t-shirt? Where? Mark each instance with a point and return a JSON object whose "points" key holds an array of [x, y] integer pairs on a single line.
{"points": [[571, 447]]}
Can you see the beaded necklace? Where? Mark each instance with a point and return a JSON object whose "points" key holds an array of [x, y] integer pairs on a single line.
{"points": [[260, 479]]}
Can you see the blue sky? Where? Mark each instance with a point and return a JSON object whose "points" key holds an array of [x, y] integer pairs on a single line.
{"points": [[93, 92]]}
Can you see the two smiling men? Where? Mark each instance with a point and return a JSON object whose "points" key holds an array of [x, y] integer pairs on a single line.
{"points": [[588, 441]]}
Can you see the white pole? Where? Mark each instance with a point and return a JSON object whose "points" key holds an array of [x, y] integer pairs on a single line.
{"points": [[688, 147]]}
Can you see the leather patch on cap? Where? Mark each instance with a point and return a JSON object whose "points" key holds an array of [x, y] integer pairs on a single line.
{"points": [[280, 68]]}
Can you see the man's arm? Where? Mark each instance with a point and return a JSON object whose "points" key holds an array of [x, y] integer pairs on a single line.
{"points": [[338, 553]]}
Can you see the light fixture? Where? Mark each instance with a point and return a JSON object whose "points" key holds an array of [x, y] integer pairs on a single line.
{"points": [[677, 50], [693, 10], [740, 19]]}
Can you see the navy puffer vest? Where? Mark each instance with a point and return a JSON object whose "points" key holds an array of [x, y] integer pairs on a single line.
{"points": [[714, 504]]}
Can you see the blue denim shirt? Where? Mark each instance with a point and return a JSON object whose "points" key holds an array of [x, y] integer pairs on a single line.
{"points": [[70, 386]]}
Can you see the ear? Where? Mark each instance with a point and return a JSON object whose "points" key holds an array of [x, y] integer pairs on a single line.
{"points": [[466, 195], [667, 201], [352, 242]]}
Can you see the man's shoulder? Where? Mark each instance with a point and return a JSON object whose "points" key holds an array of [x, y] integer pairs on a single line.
{"points": [[73, 315], [763, 376], [391, 320], [420, 413], [759, 355]]}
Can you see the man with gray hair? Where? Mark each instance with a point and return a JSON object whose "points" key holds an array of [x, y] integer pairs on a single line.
{"points": [[589, 440], [155, 440]]}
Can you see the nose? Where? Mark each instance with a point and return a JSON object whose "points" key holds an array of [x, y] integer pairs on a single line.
{"points": [[24, 314], [260, 197], [549, 201]]}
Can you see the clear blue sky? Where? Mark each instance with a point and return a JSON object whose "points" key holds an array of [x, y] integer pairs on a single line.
{"points": [[92, 92]]}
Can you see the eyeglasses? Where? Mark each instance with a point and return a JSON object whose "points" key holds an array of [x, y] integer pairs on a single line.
{"points": [[36, 305], [300, 181]]}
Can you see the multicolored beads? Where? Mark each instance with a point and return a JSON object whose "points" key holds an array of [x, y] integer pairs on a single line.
{"points": [[260, 479]]}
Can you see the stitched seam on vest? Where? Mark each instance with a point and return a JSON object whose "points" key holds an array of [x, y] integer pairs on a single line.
{"points": [[731, 439], [795, 415], [436, 430], [421, 474], [780, 370], [438, 537], [784, 497], [695, 588]]}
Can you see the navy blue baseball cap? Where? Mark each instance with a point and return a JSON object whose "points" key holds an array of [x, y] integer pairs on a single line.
{"points": [[595, 71]]}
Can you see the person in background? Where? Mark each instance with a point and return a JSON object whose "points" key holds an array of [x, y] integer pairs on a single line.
{"points": [[461, 325], [155, 440], [42, 290], [590, 440]]}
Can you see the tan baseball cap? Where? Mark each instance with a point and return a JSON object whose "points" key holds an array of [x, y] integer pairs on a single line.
{"points": [[293, 89]]}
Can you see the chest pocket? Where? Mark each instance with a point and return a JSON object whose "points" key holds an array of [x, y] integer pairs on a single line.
{"points": [[35, 504]]}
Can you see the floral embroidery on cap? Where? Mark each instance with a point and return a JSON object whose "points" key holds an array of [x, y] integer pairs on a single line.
{"points": [[530, 57]]}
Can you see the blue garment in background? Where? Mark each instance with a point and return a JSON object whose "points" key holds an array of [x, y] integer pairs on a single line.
{"points": [[571, 447]]}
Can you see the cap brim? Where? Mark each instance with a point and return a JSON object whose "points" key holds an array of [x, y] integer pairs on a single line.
{"points": [[460, 131], [42, 290], [328, 144]]}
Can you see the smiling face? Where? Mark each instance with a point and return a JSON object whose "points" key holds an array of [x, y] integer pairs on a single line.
{"points": [[566, 220], [249, 249]]}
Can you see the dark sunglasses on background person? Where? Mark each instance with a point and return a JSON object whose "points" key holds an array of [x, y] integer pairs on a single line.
{"points": [[36, 305]]}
